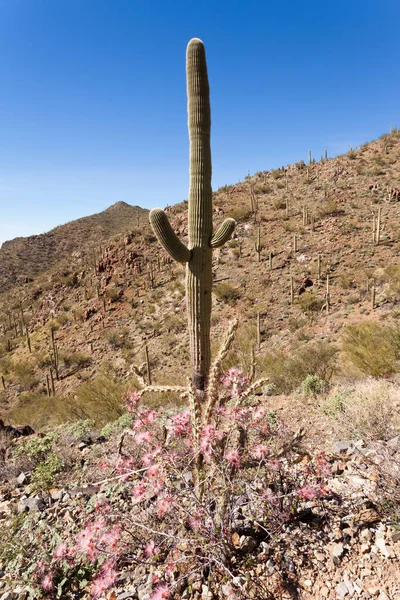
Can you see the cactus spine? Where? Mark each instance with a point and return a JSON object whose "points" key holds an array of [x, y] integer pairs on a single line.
{"points": [[198, 254]]}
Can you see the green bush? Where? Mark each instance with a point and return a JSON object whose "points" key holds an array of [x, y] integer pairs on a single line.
{"points": [[313, 385], [43, 475], [37, 448], [124, 422], [78, 429]]}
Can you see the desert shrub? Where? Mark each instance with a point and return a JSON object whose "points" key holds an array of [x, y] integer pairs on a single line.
{"points": [[328, 208], [366, 410], [239, 470], [77, 360], [345, 280], [43, 359], [263, 189], [279, 203], [114, 294], [5, 364], [309, 303], [240, 213], [38, 447], [392, 275], [288, 372], [63, 318], [53, 325], [125, 421], [24, 375], [372, 348], [99, 399], [78, 429], [295, 324], [227, 293], [313, 385], [43, 475], [39, 411], [119, 338]]}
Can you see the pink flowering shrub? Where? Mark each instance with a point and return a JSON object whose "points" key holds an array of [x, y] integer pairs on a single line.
{"points": [[250, 483]]}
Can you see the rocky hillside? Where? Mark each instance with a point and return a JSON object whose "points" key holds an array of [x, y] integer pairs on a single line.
{"points": [[22, 259], [305, 273]]}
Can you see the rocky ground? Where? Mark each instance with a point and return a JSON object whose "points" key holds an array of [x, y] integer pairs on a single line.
{"points": [[346, 545]]}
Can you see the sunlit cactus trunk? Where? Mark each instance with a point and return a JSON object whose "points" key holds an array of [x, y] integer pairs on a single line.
{"points": [[198, 254], [199, 268]]}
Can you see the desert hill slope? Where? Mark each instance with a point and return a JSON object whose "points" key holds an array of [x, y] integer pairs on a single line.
{"points": [[302, 267], [23, 258]]}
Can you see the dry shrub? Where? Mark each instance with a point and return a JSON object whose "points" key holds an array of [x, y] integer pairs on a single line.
{"points": [[309, 303], [227, 293], [24, 375], [99, 399], [367, 410], [371, 348], [287, 372]]}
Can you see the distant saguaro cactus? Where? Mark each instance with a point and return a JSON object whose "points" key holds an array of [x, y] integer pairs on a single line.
{"points": [[202, 240]]}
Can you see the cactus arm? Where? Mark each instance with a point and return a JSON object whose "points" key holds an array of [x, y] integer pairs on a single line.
{"points": [[167, 237], [223, 233]]}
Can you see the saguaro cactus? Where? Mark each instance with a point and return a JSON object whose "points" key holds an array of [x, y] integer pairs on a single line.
{"points": [[198, 254]]}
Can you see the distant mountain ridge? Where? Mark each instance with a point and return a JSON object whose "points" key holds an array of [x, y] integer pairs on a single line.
{"points": [[23, 258]]}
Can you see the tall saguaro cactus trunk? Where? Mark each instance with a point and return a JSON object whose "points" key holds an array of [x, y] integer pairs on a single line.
{"points": [[198, 254], [199, 268]]}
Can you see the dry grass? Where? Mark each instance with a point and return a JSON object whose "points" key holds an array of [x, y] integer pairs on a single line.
{"points": [[371, 348], [368, 410]]}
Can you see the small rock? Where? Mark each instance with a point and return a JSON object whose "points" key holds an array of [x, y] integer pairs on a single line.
{"points": [[56, 494], [345, 446], [22, 478], [338, 551], [34, 504], [342, 590], [365, 548], [247, 543], [324, 591]]}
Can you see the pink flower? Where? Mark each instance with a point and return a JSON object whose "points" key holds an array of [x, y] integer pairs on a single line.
{"points": [[311, 493], [150, 549], [147, 459], [139, 492], [233, 457], [110, 538], [137, 424], [164, 506], [85, 542], [143, 436], [153, 471], [160, 593], [274, 465], [47, 582], [307, 493], [260, 451], [258, 414], [150, 416], [105, 580], [60, 551], [180, 423]]}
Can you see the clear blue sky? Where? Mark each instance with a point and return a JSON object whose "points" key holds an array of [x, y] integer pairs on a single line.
{"points": [[93, 98]]}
